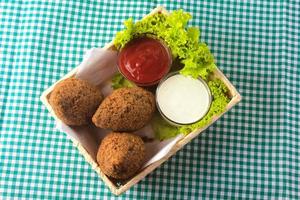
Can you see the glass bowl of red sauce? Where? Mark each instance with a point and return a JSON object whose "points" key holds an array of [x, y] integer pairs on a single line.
{"points": [[145, 60]]}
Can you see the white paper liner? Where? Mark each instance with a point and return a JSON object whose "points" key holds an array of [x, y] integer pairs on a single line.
{"points": [[97, 67]]}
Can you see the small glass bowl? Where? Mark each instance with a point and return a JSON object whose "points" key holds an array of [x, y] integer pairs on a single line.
{"points": [[164, 116], [160, 78]]}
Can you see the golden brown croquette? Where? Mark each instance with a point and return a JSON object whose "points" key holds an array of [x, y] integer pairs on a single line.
{"points": [[126, 109], [121, 155], [74, 101]]}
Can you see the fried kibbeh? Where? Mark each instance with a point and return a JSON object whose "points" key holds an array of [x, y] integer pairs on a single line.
{"points": [[74, 101], [126, 109], [121, 155]]}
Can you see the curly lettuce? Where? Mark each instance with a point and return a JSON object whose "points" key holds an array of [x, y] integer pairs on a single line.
{"points": [[183, 41], [162, 129], [193, 54], [118, 81]]}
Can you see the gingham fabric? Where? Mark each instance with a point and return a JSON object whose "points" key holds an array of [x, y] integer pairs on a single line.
{"points": [[253, 152]]}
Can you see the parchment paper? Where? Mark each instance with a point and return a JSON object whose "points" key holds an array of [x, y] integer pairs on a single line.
{"points": [[97, 67]]}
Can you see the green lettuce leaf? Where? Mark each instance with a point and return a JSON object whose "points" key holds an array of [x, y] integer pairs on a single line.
{"points": [[193, 54], [118, 81], [184, 42], [162, 129], [126, 35]]}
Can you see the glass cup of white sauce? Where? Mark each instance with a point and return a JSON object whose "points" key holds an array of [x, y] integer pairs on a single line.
{"points": [[182, 100]]}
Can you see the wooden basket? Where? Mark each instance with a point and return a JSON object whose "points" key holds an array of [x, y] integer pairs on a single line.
{"points": [[235, 98]]}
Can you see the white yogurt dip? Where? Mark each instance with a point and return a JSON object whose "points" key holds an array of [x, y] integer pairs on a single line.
{"points": [[182, 99]]}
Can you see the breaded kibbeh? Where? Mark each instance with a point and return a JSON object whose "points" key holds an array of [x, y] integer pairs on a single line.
{"points": [[121, 155], [74, 101], [126, 109]]}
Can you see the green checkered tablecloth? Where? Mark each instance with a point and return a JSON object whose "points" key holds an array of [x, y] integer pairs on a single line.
{"points": [[253, 152]]}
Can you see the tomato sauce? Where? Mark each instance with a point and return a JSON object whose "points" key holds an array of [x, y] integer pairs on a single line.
{"points": [[144, 61]]}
